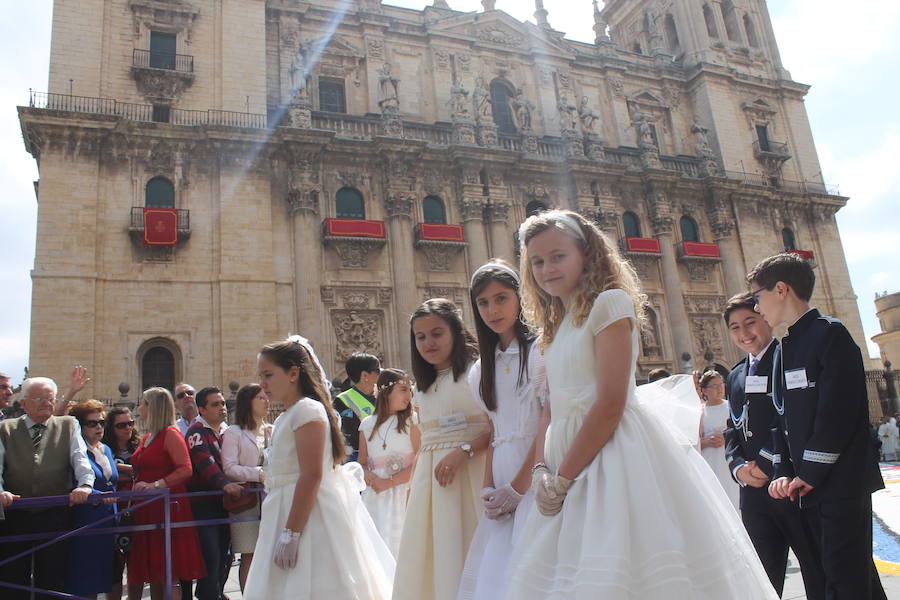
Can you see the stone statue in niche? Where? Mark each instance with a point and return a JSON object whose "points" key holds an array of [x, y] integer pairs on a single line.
{"points": [[641, 124], [588, 117], [568, 114], [522, 109], [459, 104], [357, 332], [389, 87], [481, 97], [298, 73], [701, 141]]}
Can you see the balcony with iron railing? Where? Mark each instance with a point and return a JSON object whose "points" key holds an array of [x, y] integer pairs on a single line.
{"points": [[769, 150], [149, 59], [787, 185], [137, 224]]}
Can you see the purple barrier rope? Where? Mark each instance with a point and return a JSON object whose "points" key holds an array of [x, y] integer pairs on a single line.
{"points": [[148, 496]]}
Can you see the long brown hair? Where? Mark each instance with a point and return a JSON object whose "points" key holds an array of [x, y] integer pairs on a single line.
{"points": [[243, 407], [311, 383], [109, 434], [464, 349], [383, 388], [488, 339], [604, 269]]}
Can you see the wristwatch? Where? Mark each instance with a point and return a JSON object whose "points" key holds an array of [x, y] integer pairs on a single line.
{"points": [[467, 448]]}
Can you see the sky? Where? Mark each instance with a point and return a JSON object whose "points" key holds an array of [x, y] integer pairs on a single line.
{"points": [[850, 56]]}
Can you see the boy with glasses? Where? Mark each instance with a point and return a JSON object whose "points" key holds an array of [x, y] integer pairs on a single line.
{"points": [[828, 464]]}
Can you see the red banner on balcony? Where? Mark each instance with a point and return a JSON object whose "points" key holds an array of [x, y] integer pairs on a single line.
{"points": [[436, 232], [355, 228], [636, 244], [160, 226], [805, 254], [701, 249]]}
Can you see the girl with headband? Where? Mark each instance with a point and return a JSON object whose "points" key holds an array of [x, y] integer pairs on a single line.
{"points": [[505, 381], [624, 510]]}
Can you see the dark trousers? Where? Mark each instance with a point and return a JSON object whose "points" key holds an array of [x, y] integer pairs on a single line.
{"points": [[774, 530], [215, 545], [49, 563], [844, 530]]}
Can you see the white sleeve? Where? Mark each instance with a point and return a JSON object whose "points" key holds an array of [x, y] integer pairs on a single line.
{"points": [[307, 410], [84, 473], [610, 306]]}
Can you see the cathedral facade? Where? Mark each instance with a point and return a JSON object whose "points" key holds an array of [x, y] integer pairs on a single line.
{"points": [[216, 174]]}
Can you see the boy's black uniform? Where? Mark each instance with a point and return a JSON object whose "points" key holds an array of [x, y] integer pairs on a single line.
{"points": [[773, 526], [819, 390]]}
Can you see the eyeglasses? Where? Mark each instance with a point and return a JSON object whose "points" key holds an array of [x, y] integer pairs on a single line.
{"points": [[124, 425], [184, 393], [755, 295], [95, 422]]}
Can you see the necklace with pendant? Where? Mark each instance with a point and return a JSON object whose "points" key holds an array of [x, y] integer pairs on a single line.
{"points": [[384, 427], [507, 363]]}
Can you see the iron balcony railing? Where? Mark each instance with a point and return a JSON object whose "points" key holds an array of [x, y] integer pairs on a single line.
{"points": [[788, 185], [145, 112], [181, 63], [770, 148], [183, 226]]}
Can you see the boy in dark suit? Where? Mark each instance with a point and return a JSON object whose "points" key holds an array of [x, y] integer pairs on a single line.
{"points": [[828, 464], [773, 526]]}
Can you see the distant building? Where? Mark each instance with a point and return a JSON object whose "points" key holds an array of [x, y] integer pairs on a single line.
{"points": [[216, 175]]}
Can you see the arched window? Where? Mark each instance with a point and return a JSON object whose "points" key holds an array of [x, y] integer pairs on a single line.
{"points": [[787, 238], [750, 28], [501, 96], [349, 204], [632, 224], [159, 192], [689, 230], [710, 19], [672, 34], [731, 23], [433, 210], [534, 207]]}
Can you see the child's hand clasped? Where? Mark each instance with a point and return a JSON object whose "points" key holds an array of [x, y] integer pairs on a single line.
{"points": [[446, 469]]}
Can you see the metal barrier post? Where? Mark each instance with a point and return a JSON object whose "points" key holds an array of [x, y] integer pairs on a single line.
{"points": [[167, 521]]}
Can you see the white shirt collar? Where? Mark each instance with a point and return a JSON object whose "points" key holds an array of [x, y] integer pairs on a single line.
{"points": [[513, 348], [222, 426], [762, 352]]}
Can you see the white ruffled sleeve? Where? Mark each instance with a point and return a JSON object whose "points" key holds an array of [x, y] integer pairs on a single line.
{"points": [[474, 380], [610, 306], [306, 411], [367, 425]]}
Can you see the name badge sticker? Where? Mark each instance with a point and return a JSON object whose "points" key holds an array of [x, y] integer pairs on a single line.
{"points": [[454, 422], [756, 384], [796, 379]]}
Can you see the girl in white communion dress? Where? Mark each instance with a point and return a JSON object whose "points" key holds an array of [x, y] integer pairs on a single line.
{"points": [[624, 510]]}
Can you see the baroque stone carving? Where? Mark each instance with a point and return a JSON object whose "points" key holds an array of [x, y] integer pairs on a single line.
{"points": [[354, 253], [459, 102], [375, 48], [161, 85], [437, 256], [697, 303], [464, 62], [522, 110], [587, 116], [471, 209], [499, 212], [646, 266], [481, 98], [707, 335], [568, 114], [441, 59], [398, 204], [616, 86], [497, 34], [357, 331], [700, 270], [149, 14]]}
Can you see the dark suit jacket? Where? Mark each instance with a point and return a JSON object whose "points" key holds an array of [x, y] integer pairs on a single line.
{"points": [[760, 414], [823, 433]]}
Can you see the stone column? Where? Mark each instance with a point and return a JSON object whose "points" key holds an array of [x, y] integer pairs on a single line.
{"points": [[398, 207], [663, 221], [723, 227], [472, 211], [307, 232], [501, 236]]}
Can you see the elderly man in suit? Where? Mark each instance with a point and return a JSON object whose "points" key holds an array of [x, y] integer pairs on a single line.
{"points": [[40, 455]]}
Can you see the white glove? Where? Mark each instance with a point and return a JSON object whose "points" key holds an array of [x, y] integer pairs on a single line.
{"points": [[500, 502], [550, 492], [286, 549]]}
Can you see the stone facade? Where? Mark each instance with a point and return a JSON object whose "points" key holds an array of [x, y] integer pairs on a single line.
{"points": [[887, 307], [680, 119]]}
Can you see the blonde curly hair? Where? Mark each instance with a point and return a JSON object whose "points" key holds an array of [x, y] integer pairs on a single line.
{"points": [[604, 269]]}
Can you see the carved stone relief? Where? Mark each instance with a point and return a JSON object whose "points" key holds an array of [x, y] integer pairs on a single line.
{"points": [[173, 16], [700, 270], [457, 295], [358, 331], [707, 335], [158, 85], [711, 304], [375, 47], [356, 296], [646, 267], [441, 59], [498, 34], [354, 253]]}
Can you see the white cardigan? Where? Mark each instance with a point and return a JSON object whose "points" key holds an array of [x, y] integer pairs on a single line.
{"points": [[240, 454]]}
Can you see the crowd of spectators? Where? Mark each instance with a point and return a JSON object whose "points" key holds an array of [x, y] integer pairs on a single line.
{"points": [[64, 447]]}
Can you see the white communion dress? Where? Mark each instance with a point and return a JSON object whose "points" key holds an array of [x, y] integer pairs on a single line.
{"points": [[390, 453], [515, 424], [646, 519], [341, 554], [715, 419], [440, 521]]}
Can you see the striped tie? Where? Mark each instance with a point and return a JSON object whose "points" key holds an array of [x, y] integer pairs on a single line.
{"points": [[37, 432], [754, 364]]}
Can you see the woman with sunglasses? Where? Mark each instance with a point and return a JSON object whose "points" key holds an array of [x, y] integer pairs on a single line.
{"points": [[122, 437], [90, 565]]}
